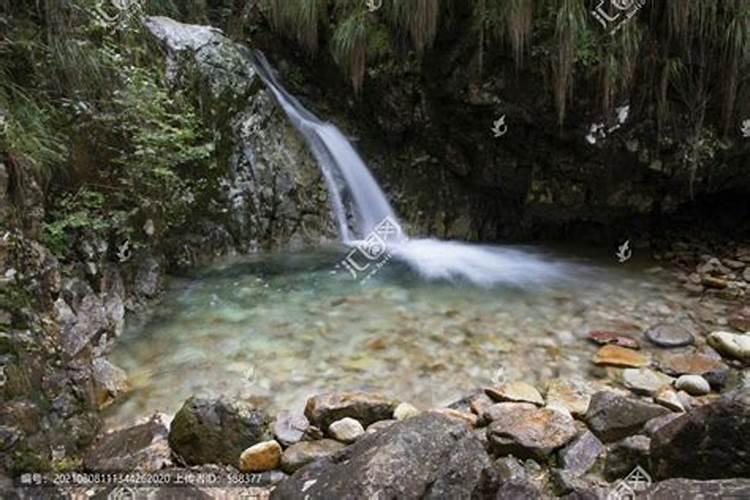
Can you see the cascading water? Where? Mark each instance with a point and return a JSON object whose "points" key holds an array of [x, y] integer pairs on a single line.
{"points": [[337, 159], [345, 172]]}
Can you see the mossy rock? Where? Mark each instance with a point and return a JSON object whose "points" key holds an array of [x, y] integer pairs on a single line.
{"points": [[216, 431]]}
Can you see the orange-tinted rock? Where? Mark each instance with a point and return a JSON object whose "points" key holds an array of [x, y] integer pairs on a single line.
{"points": [[613, 355]]}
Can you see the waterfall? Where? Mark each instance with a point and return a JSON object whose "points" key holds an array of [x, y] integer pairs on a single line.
{"points": [[342, 167], [347, 178]]}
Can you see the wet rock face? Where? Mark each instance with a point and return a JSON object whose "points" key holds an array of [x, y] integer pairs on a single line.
{"points": [[709, 442], [272, 187], [216, 431], [142, 447], [428, 456], [53, 330]]}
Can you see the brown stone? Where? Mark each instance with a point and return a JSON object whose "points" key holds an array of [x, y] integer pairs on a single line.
{"points": [[322, 410], [740, 319], [603, 337], [530, 433], [572, 395], [518, 392], [620, 356], [261, 457], [713, 282], [690, 364]]}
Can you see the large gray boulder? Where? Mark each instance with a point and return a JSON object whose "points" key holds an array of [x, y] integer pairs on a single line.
{"points": [[429, 457], [709, 442], [272, 186]]}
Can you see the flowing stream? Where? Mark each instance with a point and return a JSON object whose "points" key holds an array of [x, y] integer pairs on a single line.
{"points": [[276, 329]]}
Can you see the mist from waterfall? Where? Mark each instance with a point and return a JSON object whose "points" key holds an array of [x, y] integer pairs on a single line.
{"points": [[349, 180]]}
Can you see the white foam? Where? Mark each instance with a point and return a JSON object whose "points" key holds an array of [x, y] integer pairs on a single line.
{"points": [[483, 265]]}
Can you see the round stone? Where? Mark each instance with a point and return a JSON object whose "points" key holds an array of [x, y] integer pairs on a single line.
{"points": [[404, 411], [695, 385], [261, 457], [669, 335], [346, 430]]}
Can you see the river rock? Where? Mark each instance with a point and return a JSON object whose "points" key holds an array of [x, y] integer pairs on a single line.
{"points": [[668, 398], [623, 456], [143, 447], [740, 319], [261, 457], [404, 411], [517, 490], [428, 456], [346, 430], [367, 408], [708, 442], [693, 364], [612, 416], [714, 282], [644, 380], [289, 428], [530, 433], [603, 337], [304, 452], [109, 382], [669, 335], [501, 410], [517, 392], [613, 355], [216, 430], [689, 489], [581, 453], [480, 403], [712, 265], [653, 425], [572, 395], [468, 419], [695, 385], [732, 345]]}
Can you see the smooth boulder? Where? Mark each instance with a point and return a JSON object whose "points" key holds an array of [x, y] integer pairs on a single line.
{"points": [[429, 457]]}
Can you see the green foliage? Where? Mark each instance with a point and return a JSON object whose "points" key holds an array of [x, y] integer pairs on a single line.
{"points": [[92, 110], [75, 213], [28, 130]]}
